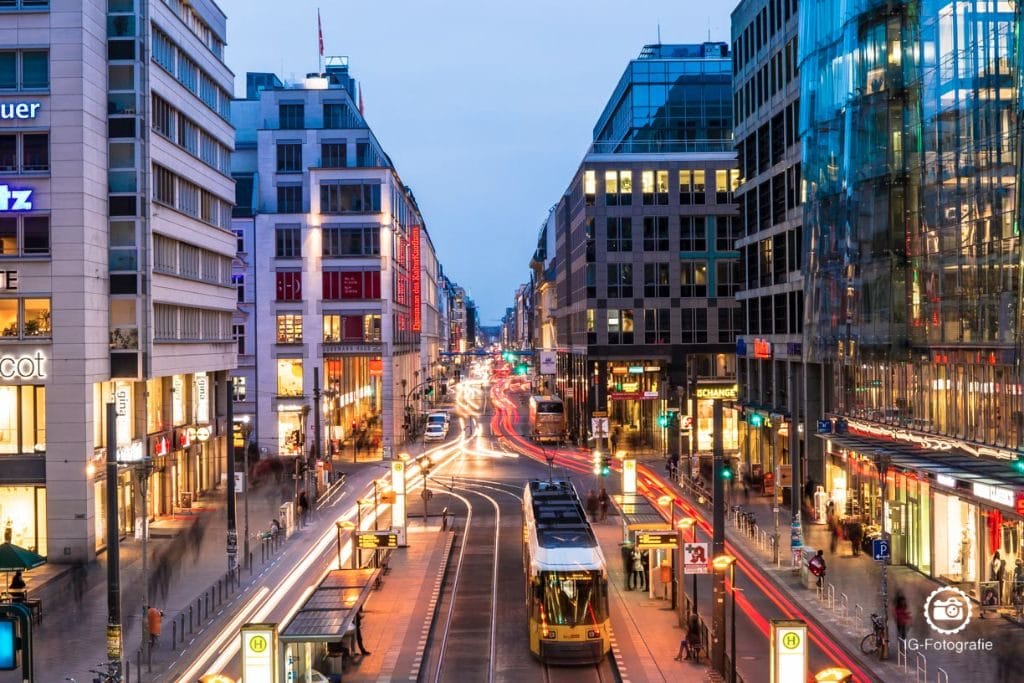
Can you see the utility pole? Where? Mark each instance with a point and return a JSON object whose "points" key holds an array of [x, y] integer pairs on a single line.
{"points": [[245, 484], [882, 464], [114, 636], [142, 481], [796, 462], [692, 441], [718, 542], [232, 542], [316, 436]]}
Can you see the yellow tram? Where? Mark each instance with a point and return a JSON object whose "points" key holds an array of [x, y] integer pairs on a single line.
{"points": [[566, 577]]}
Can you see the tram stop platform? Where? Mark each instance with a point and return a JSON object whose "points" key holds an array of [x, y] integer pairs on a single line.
{"points": [[645, 630], [396, 619]]}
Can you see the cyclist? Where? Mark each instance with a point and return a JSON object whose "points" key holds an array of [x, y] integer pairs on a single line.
{"points": [[817, 567]]}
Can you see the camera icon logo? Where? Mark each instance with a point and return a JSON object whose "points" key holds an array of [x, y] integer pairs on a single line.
{"points": [[947, 610]]}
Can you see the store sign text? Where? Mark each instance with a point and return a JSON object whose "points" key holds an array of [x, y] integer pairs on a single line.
{"points": [[15, 200], [133, 452], [996, 494], [23, 111], [762, 348], [9, 280], [719, 391], [23, 367]]}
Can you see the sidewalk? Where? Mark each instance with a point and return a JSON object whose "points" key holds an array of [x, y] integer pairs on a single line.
{"points": [[853, 591]]}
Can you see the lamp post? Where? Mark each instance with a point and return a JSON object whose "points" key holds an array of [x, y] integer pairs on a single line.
{"points": [[691, 523], [721, 563], [882, 461], [671, 503], [246, 430]]}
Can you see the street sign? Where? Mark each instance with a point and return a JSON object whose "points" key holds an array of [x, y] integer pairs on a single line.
{"points": [[789, 660], [259, 652], [718, 390], [695, 558], [685, 423], [599, 427], [239, 482], [824, 426], [880, 549], [548, 361], [378, 539], [646, 540], [785, 475]]}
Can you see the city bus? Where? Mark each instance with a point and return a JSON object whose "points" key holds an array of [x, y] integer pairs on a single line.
{"points": [[566, 577], [547, 419]]}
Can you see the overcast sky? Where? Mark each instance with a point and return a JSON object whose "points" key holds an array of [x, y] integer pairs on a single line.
{"points": [[486, 107]]}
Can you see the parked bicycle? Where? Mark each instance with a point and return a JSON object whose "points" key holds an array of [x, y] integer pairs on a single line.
{"points": [[874, 641]]}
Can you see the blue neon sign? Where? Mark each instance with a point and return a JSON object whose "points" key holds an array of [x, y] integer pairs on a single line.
{"points": [[8, 645], [12, 199]]}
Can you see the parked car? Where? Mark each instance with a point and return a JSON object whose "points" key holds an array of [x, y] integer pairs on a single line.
{"points": [[435, 432]]}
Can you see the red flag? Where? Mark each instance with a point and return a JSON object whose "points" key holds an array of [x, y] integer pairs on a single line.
{"points": [[361, 100], [320, 32]]}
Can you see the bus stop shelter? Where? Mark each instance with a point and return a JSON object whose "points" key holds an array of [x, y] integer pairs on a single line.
{"points": [[326, 627], [639, 515]]}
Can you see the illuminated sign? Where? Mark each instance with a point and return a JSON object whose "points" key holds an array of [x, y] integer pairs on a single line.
{"points": [[23, 367], [201, 398], [15, 200], [762, 348], [636, 370], [259, 652], [629, 476], [378, 539], [657, 539], [9, 280], [133, 452], [789, 651], [996, 494], [8, 644], [945, 480], [123, 411], [177, 399], [417, 293], [722, 391], [23, 111]]}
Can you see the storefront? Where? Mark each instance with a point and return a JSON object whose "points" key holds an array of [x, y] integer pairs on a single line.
{"points": [[23, 516]]}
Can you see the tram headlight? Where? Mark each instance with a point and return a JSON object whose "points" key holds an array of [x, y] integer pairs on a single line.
{"points": [[550, 634], [593, 634]]}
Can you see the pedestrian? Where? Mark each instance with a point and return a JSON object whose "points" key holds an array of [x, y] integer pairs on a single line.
{"points": [[837, 533], [78, 582], [636, 575], [154, 624], [303, 507], [998, 574], [17, 589], [690, 644], [817, 567], [830, 513], [592, 505], [603, 501], [856, 534], [901, 613]]}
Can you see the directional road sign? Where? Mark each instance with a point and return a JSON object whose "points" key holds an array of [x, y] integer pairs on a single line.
{"points": [[880, 549]]}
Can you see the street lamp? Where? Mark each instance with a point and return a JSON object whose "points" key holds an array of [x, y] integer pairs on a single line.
{"points": [[684, 524], [721, 563], [246, 429]]}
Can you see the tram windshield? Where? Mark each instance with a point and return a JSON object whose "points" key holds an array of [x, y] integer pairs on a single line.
{"points": [[576, 597]]}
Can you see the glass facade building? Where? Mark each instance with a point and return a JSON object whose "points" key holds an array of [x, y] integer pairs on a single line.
{"points": [[909, 120]]}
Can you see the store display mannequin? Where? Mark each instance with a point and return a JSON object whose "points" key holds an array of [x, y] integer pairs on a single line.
{"points": [[965, 554]]}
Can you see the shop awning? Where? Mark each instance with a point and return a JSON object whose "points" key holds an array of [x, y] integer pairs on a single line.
{"points": [[638, 514], [948, 463], [331, 610]]}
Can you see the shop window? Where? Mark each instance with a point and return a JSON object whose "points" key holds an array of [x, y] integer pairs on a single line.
{"points": [[22, 419], [289, 377], [23, 516]]}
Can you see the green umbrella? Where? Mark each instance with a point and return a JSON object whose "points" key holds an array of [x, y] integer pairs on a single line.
{"points": [[15, 558]]}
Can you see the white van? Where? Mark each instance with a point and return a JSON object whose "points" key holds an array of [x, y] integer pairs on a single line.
{"points": [[439, 418]]}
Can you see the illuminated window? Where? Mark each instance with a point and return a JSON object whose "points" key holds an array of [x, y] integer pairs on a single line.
{"points": [[661, 188], [238, 388], [693, 279], [37, 318], [620, 326], [9, 318], [24, 406], [289, 377], [332, 328], [691, 187], [722, 192], [590, 320], [289, 328], [647, 186], [589, 186]]}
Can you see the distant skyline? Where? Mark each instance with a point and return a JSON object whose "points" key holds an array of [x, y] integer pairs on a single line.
{"points": [[486, 109]]}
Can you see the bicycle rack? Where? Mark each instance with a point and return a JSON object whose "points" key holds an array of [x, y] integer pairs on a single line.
{"points": [[901, 653], [844, 606], [831, 596], [940, 675], [920, 668]]}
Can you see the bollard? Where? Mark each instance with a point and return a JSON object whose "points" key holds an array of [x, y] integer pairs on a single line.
{"points": [[190, 618], [206, 601], [181, 629], [149, 661], [199, 611], [138, 664], [174, 635], [220, 592], [250, 563]]}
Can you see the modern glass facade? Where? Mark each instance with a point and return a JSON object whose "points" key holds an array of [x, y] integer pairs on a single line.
{"points": [[909, 126], [672, 98]]}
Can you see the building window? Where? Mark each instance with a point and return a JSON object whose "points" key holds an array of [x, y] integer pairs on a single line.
{"points": [[238, 332], [25, 318], [292, 116], [727, 278], [590, 279], [351, 328], [589, 186], [351, 284], [694, 326], [22, 421], [657, 326], [729, 324], [24, 4], [723, 190], [655, 233], [288, 241], [238, 279], [340, 241], [359, 198], [289, 377], [618, 188], [693, 279], [691, 186], [620, 234], [289, 198], [289, 285], [656, 281], [655, 187], [25, 236], [332, 155], [24, 69], [25, 152], [238, 389], [693, 233], [726, 232], [620, 280], [620, 326], [289, 157], [289, 328], [338, 115]]}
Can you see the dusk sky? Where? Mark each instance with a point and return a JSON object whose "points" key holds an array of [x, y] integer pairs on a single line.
{"points": [[486, 107]]}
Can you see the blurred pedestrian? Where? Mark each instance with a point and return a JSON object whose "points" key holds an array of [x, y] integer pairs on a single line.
{"points": [[817, 566], [303, 507], [603, 501], [901, 613], [154, 624], [592, 505]]}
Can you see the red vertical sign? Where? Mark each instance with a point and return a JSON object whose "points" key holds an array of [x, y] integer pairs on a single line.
{"points": [[417, 323]]}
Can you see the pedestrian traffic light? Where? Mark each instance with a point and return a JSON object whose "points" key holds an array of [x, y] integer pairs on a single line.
{"points": [[522, 369], [428, 390], [727, 470], [9, 643], [606, 466], [1018, 465], [663, 420]]}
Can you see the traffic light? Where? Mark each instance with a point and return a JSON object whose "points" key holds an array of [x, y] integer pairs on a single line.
{"points": [[727, 470], [755, 420], [663, 420], [428, 390], [1018, 465], [522, 369], [606, 466]]}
